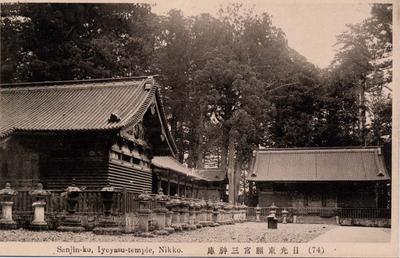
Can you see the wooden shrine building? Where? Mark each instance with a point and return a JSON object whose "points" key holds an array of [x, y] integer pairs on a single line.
{"points": [[321, 177], [175, 178], [98, 132]]}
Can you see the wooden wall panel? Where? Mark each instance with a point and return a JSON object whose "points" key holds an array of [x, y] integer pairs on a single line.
{"points": [[135, 180]]}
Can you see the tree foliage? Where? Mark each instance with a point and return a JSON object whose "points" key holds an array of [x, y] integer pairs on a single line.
{"points": [[75, 41], [230, 83]]}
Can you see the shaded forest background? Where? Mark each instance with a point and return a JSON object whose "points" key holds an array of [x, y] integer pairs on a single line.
{"points": [[230, 82]]}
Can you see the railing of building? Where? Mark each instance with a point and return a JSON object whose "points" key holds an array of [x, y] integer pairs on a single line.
{"points": [[327, 212]]}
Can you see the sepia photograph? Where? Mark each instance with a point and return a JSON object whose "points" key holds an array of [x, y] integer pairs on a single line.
{"points": [[245, 128]]}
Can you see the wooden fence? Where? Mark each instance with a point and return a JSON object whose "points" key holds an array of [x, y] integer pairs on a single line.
{"points": [[354, 213]]}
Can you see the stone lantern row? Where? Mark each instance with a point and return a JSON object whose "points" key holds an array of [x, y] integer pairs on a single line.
{"points": [[174, 214], [158, 214], [7, 196]]}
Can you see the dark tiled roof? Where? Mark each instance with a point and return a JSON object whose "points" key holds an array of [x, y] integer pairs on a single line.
{"points": [[76, 106], [353, 164]]}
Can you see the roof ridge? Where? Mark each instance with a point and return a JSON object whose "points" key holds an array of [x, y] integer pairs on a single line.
{"points": [[316, 149], [311, 148], [48, 83], [78, 86]]}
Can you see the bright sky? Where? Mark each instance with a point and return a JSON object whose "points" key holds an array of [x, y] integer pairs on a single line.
{"points": [[310, 26]]}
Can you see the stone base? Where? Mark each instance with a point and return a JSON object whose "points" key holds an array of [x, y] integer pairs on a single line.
{"points": [[39, 226], [144, 234], [107, 231], [170, 229], [107, 227], [7, 224], [70, 229], [184, 226], [161, 232], [199, 226], [192, 227], [71, 224], [177, 227]]}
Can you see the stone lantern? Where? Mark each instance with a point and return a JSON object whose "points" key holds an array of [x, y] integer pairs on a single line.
{"points": [[107, 194], [168, 217], [210, 207], [271, 219], [192, 215], [72, 193], [197, 213], [216, 214], [230, 210], [106, 225], [203, 213], [222, 213], [284, 216], [144, 212], [258, 213], [272, 209], [243, 212], [161, 211], [7, 200], [184, 212], [71, 222], [176, 222], [39, 202]]}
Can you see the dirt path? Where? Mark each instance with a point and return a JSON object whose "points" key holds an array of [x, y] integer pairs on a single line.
{"points": [[355, 234]]}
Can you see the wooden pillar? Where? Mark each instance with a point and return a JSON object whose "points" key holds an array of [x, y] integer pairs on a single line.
{"points": [[184, 193], [192, 193], [376, 188], [178, 186], [158, 184], [169, 184]]}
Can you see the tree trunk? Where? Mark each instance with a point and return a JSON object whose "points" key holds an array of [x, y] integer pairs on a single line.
{"points": [[231, 168], [224, 149], [362, 115], [237, 179], [199, 141]]}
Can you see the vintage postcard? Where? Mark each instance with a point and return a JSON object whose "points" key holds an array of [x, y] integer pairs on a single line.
{"points": [[199, 128]]}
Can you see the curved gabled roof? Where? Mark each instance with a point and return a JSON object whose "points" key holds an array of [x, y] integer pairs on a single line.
{"points": [[319, 164], [87, 105]]}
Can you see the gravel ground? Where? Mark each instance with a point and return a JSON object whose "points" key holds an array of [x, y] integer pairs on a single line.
{"points": [[244, 232]]}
